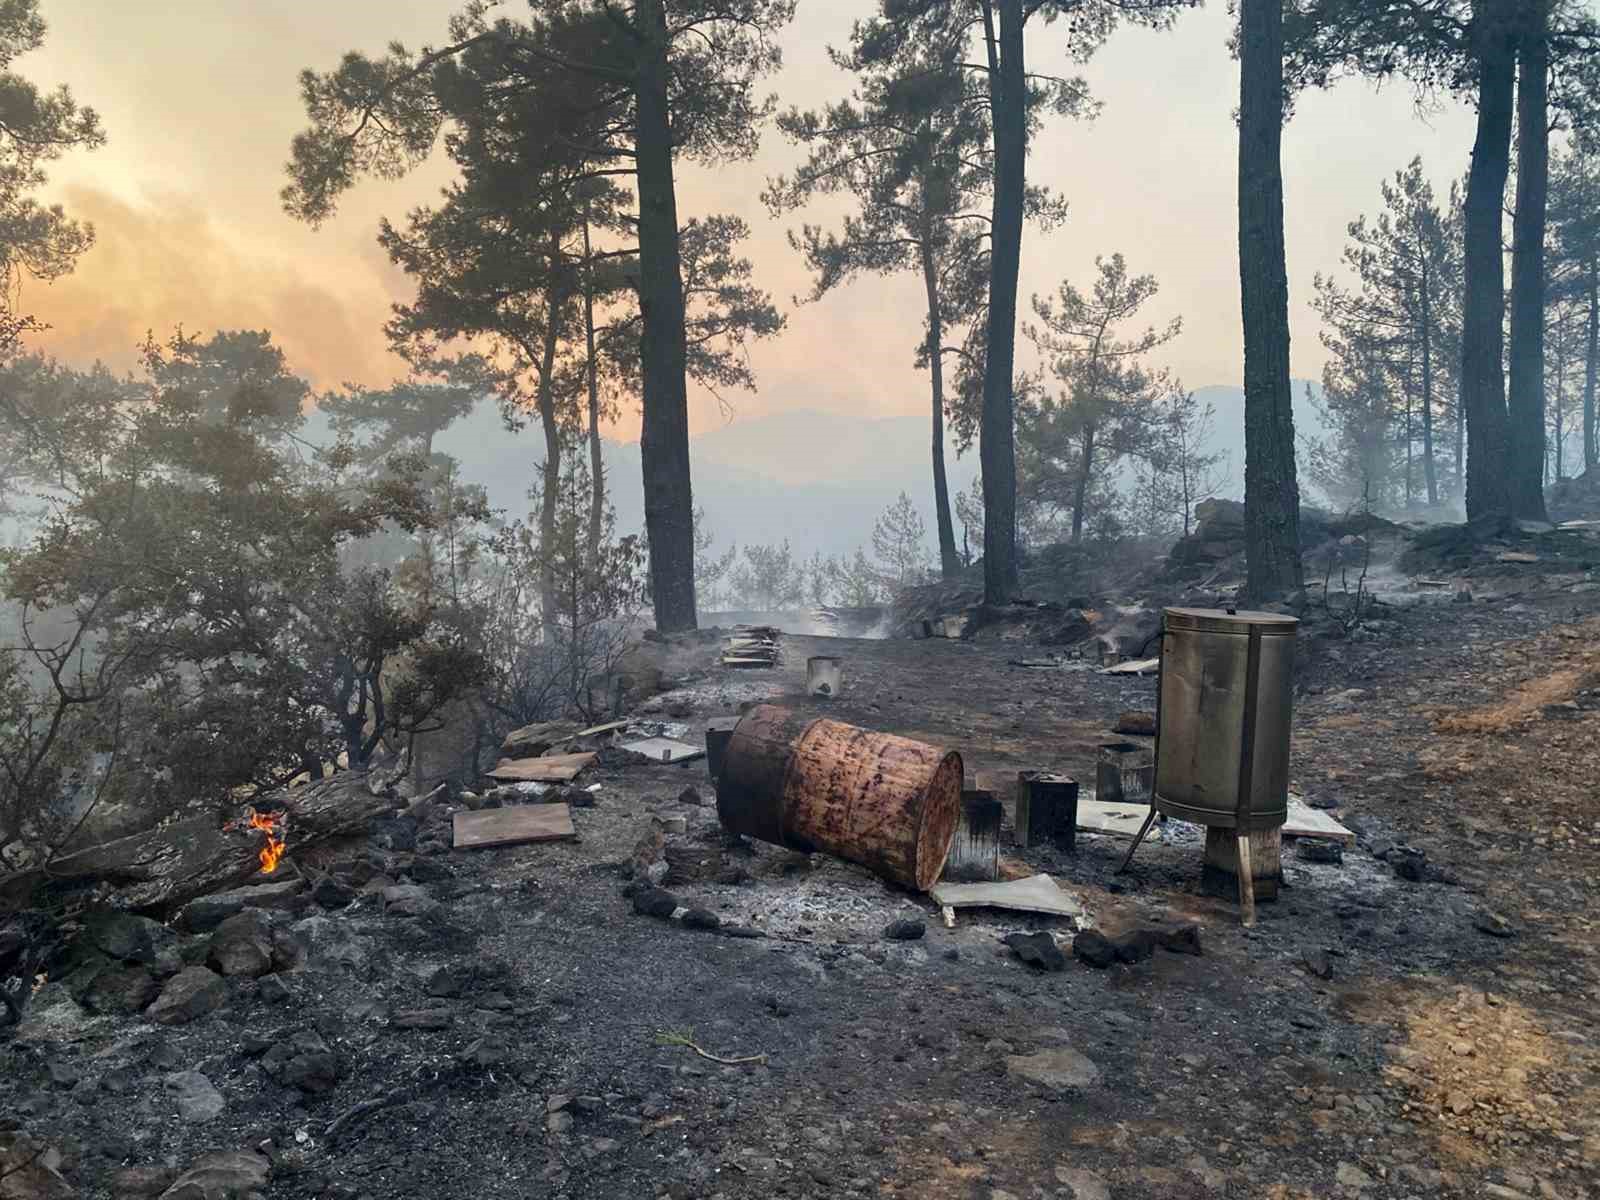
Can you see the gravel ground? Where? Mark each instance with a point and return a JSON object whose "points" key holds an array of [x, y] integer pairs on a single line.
{"points": [[1414, 1021]]}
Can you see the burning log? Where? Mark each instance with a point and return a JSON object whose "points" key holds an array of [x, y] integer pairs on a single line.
{"points": [[192, 857], [886, 802]]}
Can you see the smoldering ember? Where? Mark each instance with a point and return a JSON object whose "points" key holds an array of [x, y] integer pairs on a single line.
{"points": [[660, 682]]}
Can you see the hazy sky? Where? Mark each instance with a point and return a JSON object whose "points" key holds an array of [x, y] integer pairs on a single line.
{"points": [[200, 102]]}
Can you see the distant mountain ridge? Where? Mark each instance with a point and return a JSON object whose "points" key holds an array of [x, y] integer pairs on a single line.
{"points": [[817, 477]]}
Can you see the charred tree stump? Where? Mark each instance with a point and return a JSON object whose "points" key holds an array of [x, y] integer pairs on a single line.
{"points": [[172, 864], [1220, 875]]}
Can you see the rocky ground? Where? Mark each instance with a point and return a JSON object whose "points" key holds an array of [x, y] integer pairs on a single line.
{"points": [[389, 1018]]}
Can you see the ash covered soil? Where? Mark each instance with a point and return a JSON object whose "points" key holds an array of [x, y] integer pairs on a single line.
{"points": [[1416, 1020]]}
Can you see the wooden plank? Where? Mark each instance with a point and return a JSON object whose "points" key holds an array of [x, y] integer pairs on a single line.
{"points": [[665, 750], [1123, 820], [513, 826], [1143, 666], [596, 730], [557, 768], [1035, 894]]}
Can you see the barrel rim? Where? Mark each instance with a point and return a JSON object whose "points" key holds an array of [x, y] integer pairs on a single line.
{"points": [[1220, 620], [927, 871]]}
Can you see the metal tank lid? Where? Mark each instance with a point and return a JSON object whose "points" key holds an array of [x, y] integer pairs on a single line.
{"points": [[1221, 620]]}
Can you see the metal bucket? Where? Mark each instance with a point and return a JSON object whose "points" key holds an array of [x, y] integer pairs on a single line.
{"points": [[886, 802], [1222, 742]]}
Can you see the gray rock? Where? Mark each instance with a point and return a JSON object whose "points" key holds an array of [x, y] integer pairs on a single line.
{"points": [[407, 900], [206, 913], [230, 1175], [130, 938], [330, 893], [121, 988], [701, 918], [1037, 950], [1083, 1184], [1320, 850], [273, 990], [191, 993], [304, 1061], [140, 1183], [486, 1052], [1061, 1068], [1351, 1176], [905, 930], [327, 943], [1318, 963], [1093, 947], [197, 1100], [242, 944], [653, 902], [30, 1170], [425, 1018]]}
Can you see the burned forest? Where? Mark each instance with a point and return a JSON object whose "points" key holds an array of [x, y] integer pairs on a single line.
{"points": [[730, 599]]}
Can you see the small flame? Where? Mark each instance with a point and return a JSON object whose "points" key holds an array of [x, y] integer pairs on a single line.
{"points": [[271, 824]]}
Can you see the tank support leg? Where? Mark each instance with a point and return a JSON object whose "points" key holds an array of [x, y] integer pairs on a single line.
{"points": [[1247, 883], [1143, 829]]}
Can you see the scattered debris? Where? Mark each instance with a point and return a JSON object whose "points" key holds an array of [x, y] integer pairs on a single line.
{"points": [[1494, 925], [512, 826], [654, 902], [824, 675], [1037, 950], [1047, 810], [1321, 850], [975, 851], [685, 1040], [1093, 947], [1124, 820], [555, 768], [1035, 894], [1516, 556], [1136, 724], [1141, 666], [665, 750], [753, 646], [905, 930], [1062, 1068]]}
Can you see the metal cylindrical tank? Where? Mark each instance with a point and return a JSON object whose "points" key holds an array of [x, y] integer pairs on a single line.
{"points": [[1222, 740], [886, 802]]}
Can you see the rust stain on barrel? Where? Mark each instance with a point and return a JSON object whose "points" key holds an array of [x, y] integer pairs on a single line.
{"points": [[886, 802]]}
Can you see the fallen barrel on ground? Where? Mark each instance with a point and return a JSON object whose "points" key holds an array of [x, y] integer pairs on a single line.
{"points": [[888, 803]]}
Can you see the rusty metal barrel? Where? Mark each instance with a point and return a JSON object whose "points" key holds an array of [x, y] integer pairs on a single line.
{"points": [[888, 803]]}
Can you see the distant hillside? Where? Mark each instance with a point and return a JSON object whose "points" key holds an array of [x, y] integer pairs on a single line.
{"points": [[818, 478]]}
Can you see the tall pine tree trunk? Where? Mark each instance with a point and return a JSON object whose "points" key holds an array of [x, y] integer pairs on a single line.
{"points": [[597, 466], [1271, 492], [1080, 491], [949, 562], [664, 433], [1430, 475], [1591, 367], [1483, 397], [996, 428], [550, 491], [1525, 408]]}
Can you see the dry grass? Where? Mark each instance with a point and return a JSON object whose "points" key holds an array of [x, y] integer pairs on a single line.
{"points": [[1521, 706]]}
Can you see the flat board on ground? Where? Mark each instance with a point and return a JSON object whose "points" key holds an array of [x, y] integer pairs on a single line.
{"points": [[665, 750], [1123, 820], [557, 768], [510, 826], [1037, 894]]}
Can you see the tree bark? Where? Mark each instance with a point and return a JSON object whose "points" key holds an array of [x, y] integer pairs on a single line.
{"points": [[597, 466], [550, 492], [1525, 408], [1591, 368], [1430, 475], [1483, 397], [1080, 490], [175, 863], [997, 433], [664, 433], [1271, 491], [949, 563]]}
